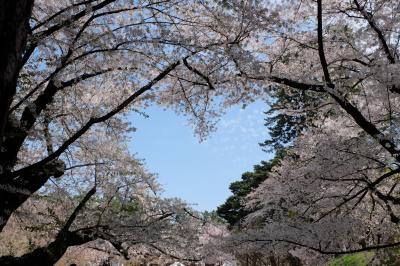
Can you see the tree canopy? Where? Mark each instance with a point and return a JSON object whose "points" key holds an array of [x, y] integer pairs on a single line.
{"points": [[72, 70]]}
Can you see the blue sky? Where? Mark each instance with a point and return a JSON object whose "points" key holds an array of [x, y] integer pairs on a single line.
{"points": [[200, 173]]}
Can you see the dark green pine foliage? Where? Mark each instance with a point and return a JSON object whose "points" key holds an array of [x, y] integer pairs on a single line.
{"points": [[233, 210], [282, 127]]}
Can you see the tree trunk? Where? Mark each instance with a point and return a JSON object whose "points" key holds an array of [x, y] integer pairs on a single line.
{"points": [[272, 260], [14, 29]]}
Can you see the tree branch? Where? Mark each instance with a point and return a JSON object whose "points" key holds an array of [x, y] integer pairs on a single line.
{"points": [[368, 16], [357, 116], [94, 120]]}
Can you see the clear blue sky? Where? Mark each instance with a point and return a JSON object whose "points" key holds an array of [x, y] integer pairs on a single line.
{"points": [[200, 173]]}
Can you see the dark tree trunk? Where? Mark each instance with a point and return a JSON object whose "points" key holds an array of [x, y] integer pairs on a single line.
{"points": [[14, 29], [273, 261]]}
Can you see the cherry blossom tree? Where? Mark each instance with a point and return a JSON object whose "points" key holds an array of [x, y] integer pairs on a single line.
{"points": [[120, 208], [336, 190], [73, 70], [79, 67]]}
